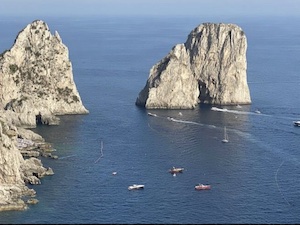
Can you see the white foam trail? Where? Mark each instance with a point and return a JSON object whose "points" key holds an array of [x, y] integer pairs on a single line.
{"points": [[68, 156], [232, 111], [249, 137], [191, 122], [258, 113], [185, 121], [286, 156], [218, 109]]}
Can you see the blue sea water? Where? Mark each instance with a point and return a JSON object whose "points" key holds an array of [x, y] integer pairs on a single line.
{"points": [[255, 178]]}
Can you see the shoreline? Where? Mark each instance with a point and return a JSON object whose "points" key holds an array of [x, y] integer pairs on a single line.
{"points": [[22, 151]]}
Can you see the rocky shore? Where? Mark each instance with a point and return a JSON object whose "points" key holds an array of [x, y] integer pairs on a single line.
{"points": [[20, 165], [36, 85]]}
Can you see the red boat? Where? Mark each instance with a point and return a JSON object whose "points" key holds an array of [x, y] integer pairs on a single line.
{"points": [[202, 187], [176, 170]]}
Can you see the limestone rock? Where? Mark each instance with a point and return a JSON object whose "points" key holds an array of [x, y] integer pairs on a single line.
{"points": [[32, 201], [12, 186], [11, 158], [36, 78], [36, 85], [210, 67], [11, 194]]}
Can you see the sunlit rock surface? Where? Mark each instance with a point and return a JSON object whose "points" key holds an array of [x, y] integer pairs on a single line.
{"points": [[36, 78], [210, 67]]}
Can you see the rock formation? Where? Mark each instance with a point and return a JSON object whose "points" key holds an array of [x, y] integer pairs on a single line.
{"points": [[15, 171], [36, 85], [36, 78], [210, 67]]}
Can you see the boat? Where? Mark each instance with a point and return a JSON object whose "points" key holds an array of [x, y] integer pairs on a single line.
{"points": [[257, 111], [225, 140], [202, 187], [170, 118], [296, 123], [176, 170], [136, 187], [152, 114]]}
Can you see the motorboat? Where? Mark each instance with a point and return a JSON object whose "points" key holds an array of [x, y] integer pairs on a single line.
{"points": [[171, 118], [176, 170], [202, 187], [152, 114], [297, 123], [136, 187], [257, 111]]}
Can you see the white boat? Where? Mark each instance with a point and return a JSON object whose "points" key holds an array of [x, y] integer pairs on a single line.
{"points": [[202, 187], [257, 111], [136, 186], [152, 114], [225, 140], [175, 170], [297, 123]]}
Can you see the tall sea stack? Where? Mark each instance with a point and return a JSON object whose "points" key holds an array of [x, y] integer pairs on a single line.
{"points": [[36, 78], [36, 85], [210, 68]]}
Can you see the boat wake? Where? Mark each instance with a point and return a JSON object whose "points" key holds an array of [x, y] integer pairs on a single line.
{"points": [[236, 111], [279, 189], [68, 156], [256, 112], [185, 121], [244, 135], [191, 122]]}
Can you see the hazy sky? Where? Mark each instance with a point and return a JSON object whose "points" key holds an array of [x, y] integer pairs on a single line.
{"points": [[150, 7]]}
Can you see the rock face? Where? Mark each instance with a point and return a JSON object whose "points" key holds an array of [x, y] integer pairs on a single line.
{"points": [[210, 67], [36, 85], [36, 79], [15, 171]]}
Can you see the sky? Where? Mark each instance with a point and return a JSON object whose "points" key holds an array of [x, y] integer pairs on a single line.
{"points": [[149, 7]]}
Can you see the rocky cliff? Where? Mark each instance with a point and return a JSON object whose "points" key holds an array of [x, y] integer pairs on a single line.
{"points": [[36, 78], [36, 85], [210, 67], [16, 171]]}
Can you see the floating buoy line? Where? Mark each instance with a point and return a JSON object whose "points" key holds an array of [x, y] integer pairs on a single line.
{"points": [[278, 184]]}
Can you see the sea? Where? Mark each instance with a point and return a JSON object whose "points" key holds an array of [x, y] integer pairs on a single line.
{"points": [[254, 178]]}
